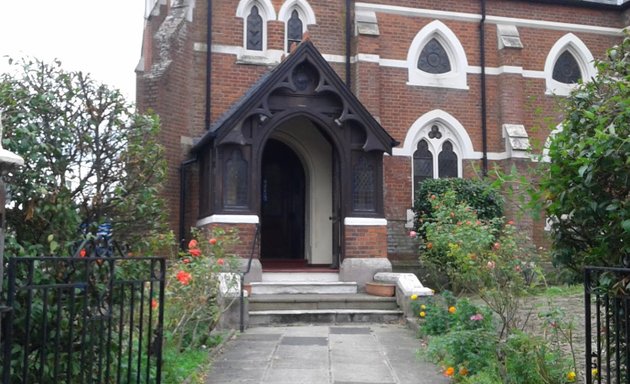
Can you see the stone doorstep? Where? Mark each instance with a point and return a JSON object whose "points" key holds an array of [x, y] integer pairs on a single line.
{"points": [[299, 287], [269, 277], [312, 302], [331, 316]]}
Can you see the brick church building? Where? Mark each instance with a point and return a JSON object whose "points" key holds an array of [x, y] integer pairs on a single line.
{"points": [[312, 121]]}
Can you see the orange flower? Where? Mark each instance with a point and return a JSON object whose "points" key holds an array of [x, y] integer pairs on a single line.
{"points": [[463, 371], [193, 244], [186, 260], [212, 241], [195, 252], [452, 309], [184, 277], [450, 371], [429, 245], [220, 261], [154, 304]]}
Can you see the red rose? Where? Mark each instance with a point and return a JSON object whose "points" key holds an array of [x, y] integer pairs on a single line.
{"points": [[195, 252], [184, 277], [82, 253], [154, 304], [220, 261], [212, 241], [192, 244], [186, 261]]}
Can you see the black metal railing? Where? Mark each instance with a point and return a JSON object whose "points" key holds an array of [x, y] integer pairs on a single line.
{"points": [[607, 324], [83, 320]]}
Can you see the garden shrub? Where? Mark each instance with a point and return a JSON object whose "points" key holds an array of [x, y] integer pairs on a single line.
{"points": [[480, 196], [192, 293], [587, 186], [530, 359]]}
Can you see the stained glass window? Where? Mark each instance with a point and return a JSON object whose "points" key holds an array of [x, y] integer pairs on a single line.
{"points": [[422, 163], [567, 69], [447, 161], [363, 184], [254, 30], [235, 179], [295, 29], [433, 58]]}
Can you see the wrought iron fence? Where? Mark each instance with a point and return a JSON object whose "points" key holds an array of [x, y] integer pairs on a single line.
{"points": [[607, 309], [83, 320]]}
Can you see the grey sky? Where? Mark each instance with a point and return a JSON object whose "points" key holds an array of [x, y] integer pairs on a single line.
{"points": [[103, 38]]}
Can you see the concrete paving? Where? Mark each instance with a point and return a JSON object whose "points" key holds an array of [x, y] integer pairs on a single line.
{"points": [[324, 354]]}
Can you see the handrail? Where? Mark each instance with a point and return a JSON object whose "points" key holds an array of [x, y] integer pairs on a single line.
{"points": [[249, 267]]}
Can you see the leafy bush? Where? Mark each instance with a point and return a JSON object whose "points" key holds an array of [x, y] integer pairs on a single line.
{"points": [[193, 304], [478, 195], [587, 185], [465, 351]]}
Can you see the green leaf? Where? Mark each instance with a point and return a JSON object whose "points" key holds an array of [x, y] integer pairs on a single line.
{"points": [[626, 225]]}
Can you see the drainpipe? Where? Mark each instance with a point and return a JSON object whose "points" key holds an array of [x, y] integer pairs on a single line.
{"points": [[484, 107], [348, 41], [208, 64], [182, 200]]}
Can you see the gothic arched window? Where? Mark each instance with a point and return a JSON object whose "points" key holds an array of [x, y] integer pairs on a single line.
{"points": [[363, 183], [235, 179], [295, 29], [447, 161], [422, 163], [433, 58], [567, 70], [255, 30]]}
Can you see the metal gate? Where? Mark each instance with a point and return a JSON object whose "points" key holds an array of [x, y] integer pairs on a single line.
{"points": [[83, 320], [607, 309]]}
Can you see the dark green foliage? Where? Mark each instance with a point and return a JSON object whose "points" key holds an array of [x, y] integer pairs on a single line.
{"points": [[478, 195], [89, 158], [587, 188]]}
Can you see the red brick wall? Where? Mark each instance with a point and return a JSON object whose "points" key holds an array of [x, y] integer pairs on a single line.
{"points": [[246, 234], [365, 241], [178, 93]]}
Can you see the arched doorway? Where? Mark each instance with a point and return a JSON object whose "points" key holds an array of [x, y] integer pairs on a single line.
{"points": [[283, 198]]}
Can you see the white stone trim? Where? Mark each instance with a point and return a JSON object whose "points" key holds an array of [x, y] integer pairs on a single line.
{"points": [[583, 56], [456, 78], [474, 17], [364, 221], [301, 5], [337, 58], [244, 7], [461, 140], [228, 219], [266, 12], [304, 11], [545, 152]]}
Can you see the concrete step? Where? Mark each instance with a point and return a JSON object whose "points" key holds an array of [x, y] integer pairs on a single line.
{"points": [[330, 316], [302, 287], [313, 302], [269, 277]]}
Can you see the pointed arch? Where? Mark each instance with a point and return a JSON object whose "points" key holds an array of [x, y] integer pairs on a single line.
{"points": [[443, 41], [264, 9], [293, 10], [452, 130], [578, 51]]}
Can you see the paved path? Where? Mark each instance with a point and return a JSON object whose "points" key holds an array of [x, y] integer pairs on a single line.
{"points": [[323, 354]]}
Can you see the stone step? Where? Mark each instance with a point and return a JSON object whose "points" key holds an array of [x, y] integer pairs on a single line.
{"points": [[312, 302], [302, 287], [330, 316], [272, 277]]}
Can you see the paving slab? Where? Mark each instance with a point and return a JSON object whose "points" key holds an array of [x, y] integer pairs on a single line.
{"points": [[324, 354]]}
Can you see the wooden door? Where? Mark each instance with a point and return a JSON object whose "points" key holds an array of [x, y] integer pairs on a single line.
{"points": [[282, 203]]}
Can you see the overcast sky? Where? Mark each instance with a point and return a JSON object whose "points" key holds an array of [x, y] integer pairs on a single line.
{"points": [[103, 38]]}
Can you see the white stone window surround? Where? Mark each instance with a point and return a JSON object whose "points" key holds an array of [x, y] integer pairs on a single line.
{"points": [[582, 55], [305, 12], [267, 12], [452, 131], [457, 77]]}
